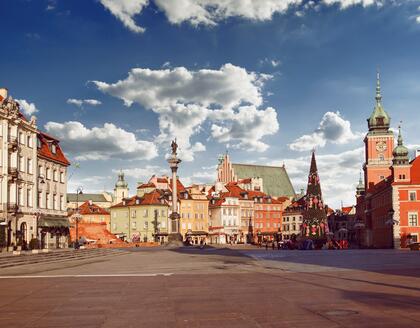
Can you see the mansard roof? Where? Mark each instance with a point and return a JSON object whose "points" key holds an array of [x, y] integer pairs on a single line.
{"points": [[44, 149]]}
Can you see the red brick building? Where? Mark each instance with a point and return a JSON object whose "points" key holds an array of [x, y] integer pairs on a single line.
{"points": [[388, 203]]}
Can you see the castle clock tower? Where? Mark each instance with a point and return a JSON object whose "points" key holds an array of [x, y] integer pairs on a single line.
{"points": [[379, 143]]}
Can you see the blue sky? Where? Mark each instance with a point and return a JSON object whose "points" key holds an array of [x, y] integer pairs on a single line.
{"points": [[267, 80]]}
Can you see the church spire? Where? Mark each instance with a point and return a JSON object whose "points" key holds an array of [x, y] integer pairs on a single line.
{"points": [[378, 96], [379, 121]]}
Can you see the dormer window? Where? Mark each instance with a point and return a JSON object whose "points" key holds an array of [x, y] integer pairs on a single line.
{"points": [[53, 148], [137, 201]]}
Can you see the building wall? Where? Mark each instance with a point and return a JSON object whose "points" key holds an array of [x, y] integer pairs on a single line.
{"points": [[194, 215], [137, 221], [292, 224], [409, 207]]}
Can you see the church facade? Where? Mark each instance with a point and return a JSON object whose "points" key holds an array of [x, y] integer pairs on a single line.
{"points": [[388, 201]]}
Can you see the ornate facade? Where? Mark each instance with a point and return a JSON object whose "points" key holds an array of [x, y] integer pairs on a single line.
{"points": [[33, 183]]}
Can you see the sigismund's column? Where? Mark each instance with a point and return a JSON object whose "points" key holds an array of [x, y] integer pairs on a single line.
{"points": [[175, 237]]}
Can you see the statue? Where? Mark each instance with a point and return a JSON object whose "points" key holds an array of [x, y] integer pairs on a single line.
{"points": [[174, 147]]}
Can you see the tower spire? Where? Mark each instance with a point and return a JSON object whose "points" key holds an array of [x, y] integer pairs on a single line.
{"points": [[400, 138], [378, 96]]}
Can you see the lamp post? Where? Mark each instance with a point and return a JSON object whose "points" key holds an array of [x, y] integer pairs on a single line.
{"points": [[79, 191]]}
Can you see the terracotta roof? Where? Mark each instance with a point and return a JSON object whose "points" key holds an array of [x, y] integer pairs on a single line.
{"points": [[346, 209], [44, 149], [152, 198], [89, 209], [146, 185]]}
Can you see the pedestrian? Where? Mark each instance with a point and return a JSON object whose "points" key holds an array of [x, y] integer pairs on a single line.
{"points": [[278, 245], [272, 245], [266, 245]]}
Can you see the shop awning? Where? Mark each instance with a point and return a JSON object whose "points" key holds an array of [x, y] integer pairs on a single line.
{"points": [[54, 222]]}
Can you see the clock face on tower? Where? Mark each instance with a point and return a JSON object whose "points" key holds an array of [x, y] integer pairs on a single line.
{"points": [[381, 146]]}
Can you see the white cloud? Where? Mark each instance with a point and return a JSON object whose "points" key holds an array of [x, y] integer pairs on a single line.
{"points": [[100, 143], [80, 102], [27, 107], [144, 173], [125, 11], [210, 12], [348, 3], [247, 127], [270, 62], [332, 128], [184, 99]]}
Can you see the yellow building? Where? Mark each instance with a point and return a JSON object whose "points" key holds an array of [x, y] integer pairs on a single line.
{"points": [[194, 211], [142, 218]]}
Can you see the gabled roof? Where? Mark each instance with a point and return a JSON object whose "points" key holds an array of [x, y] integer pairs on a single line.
{"points": [[44, 149], [92, 209], [276, 181]]}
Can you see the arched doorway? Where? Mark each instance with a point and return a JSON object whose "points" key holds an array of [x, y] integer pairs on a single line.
{"points": [[24, 234]]}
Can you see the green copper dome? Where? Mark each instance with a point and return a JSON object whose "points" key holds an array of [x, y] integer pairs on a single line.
{"points": [[379, 120], [400, 152], [121, 183]]}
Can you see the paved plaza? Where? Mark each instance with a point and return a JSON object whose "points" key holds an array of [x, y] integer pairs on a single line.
{"points": [[215, 287]]}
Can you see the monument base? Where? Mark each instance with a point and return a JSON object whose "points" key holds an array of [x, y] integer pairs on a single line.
{"points": [[175, 240]]}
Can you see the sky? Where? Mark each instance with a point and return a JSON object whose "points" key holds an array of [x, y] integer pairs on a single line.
{"points": [[267, 81]]}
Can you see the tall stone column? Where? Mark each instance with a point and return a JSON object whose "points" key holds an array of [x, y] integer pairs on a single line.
{"points": [[175, 237]]}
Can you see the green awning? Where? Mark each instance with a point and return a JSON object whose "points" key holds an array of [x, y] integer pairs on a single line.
{"points": [[54, 222]]}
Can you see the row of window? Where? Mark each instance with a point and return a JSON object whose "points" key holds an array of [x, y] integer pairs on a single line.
{"points": [[190, 216], [229, 211], [292, 219], [51, 201], [189, 226], [267, 208], [145, 213], [44, 201], [28, 141], [197, 207], [267, 225], [51, 174], [146, 225], [267, 215], [291, 227]]}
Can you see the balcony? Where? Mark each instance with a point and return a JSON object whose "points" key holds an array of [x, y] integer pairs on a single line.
{"points": [[12, 208], [13, 174], [12, 144]]}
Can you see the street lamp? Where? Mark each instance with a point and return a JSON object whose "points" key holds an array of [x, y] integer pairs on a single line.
{"points": [[77, 216]]}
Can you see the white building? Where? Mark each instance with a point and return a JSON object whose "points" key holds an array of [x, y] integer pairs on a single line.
{"points": [[33, 182]]}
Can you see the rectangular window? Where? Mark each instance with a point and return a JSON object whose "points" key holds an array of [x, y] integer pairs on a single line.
{"points": [[21, 164], [114, 226], [21, 138], [134, 225], [62, 177], [29, 197], [163, 213], [413, 196], [54, 205], [146, 225], [133, 214], [412, 219], [39, 200], [414, 238], [48, 173], [47, 201], [62, 205], [29, 164], [55, 175], [20, 197], [163, 223], [145, 213]]}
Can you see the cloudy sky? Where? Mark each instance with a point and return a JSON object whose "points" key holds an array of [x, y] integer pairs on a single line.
{"points": [[267, 80]]}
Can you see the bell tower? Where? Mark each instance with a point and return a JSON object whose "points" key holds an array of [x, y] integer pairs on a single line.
{"points": [[379, 143]]}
